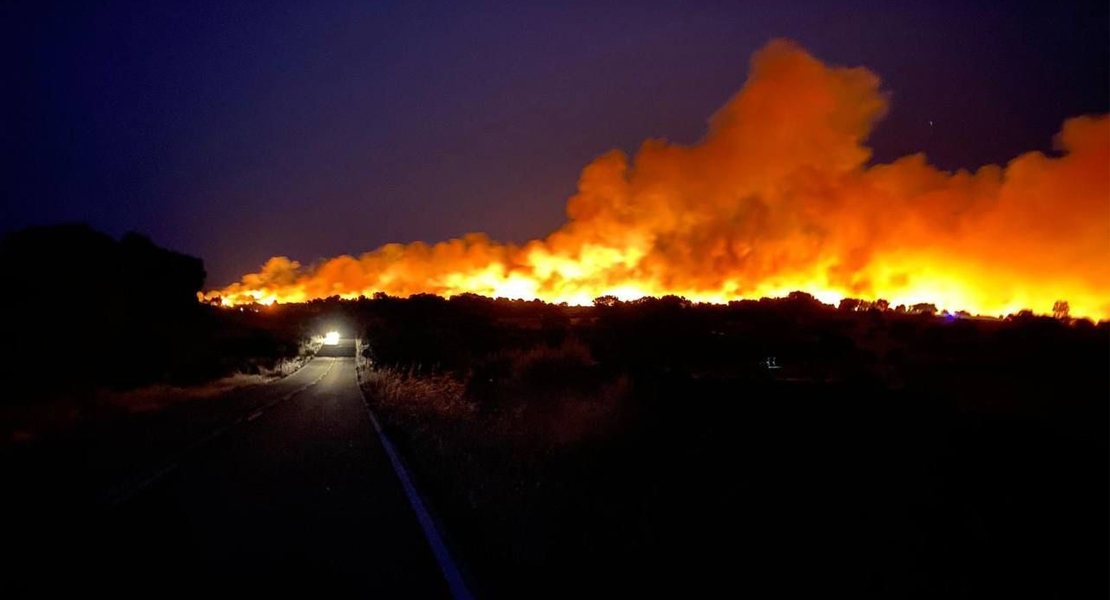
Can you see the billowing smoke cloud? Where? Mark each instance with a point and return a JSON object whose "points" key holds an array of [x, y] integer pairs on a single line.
{"points": [[776, 198]]}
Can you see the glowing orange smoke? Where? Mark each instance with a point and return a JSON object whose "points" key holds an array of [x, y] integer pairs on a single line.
{"points": [[777, 198]]}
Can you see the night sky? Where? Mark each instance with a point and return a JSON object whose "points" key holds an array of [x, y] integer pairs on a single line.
{"points": [[238, 131]]}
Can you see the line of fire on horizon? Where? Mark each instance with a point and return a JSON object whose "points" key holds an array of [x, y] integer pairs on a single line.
{"points": [[779, 195]]}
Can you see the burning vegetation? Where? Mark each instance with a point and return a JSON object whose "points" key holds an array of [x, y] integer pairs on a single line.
{"points": [[778, 196]]}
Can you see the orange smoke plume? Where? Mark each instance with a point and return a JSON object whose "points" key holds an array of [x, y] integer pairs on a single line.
{"points": [[778, 197]]}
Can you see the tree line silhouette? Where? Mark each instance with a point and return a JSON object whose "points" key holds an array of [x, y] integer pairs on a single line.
{"points": [[83, 310]]}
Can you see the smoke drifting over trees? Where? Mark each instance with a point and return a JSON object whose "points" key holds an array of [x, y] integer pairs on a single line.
{"points": [[779, 196]]}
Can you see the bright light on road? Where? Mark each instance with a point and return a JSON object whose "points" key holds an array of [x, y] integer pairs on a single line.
{"points": [[331, 338]]}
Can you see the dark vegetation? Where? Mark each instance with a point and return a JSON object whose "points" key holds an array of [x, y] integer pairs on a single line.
{"points": [[657, 447], [84, 312], [773, 446]]}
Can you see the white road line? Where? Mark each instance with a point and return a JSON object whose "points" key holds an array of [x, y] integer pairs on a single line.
{"points": [[447, 565]]}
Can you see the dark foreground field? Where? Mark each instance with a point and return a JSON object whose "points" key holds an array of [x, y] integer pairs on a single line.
{"points": [[771, 448], [657, 447]]}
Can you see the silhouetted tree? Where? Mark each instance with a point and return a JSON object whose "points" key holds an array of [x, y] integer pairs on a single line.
{"points": [[121, 314], [606, 300], [1061, 310], [802, 297], [924, 308], [850, 304]]}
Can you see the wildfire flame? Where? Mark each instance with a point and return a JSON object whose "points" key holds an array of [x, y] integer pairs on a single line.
{"points": [[778, 197]]}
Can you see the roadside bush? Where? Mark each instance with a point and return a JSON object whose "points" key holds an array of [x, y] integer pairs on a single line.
{"points": [[415, 395]]}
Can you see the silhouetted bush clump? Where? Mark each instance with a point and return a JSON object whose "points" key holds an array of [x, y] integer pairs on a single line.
{"points": [[83, 310]]}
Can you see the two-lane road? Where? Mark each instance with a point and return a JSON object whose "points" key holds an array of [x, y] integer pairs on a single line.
{"points": [[298, 497]]}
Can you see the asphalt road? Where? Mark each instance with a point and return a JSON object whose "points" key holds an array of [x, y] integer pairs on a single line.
{"points": [[283, 488]]}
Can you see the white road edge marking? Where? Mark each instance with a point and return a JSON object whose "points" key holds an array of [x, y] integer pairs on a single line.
{"points": [[447, 566], [128, 489]]}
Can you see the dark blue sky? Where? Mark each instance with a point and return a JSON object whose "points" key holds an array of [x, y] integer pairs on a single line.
{"points": [[237, 131]]}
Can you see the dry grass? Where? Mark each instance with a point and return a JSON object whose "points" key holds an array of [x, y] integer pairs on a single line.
{"points": [[542, 396], [413, 395], [157, 397], [495, 455], [58, 416], [25, 423]]}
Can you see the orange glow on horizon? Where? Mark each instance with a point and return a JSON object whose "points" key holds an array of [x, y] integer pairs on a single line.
{"points": [[778, 197]]}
